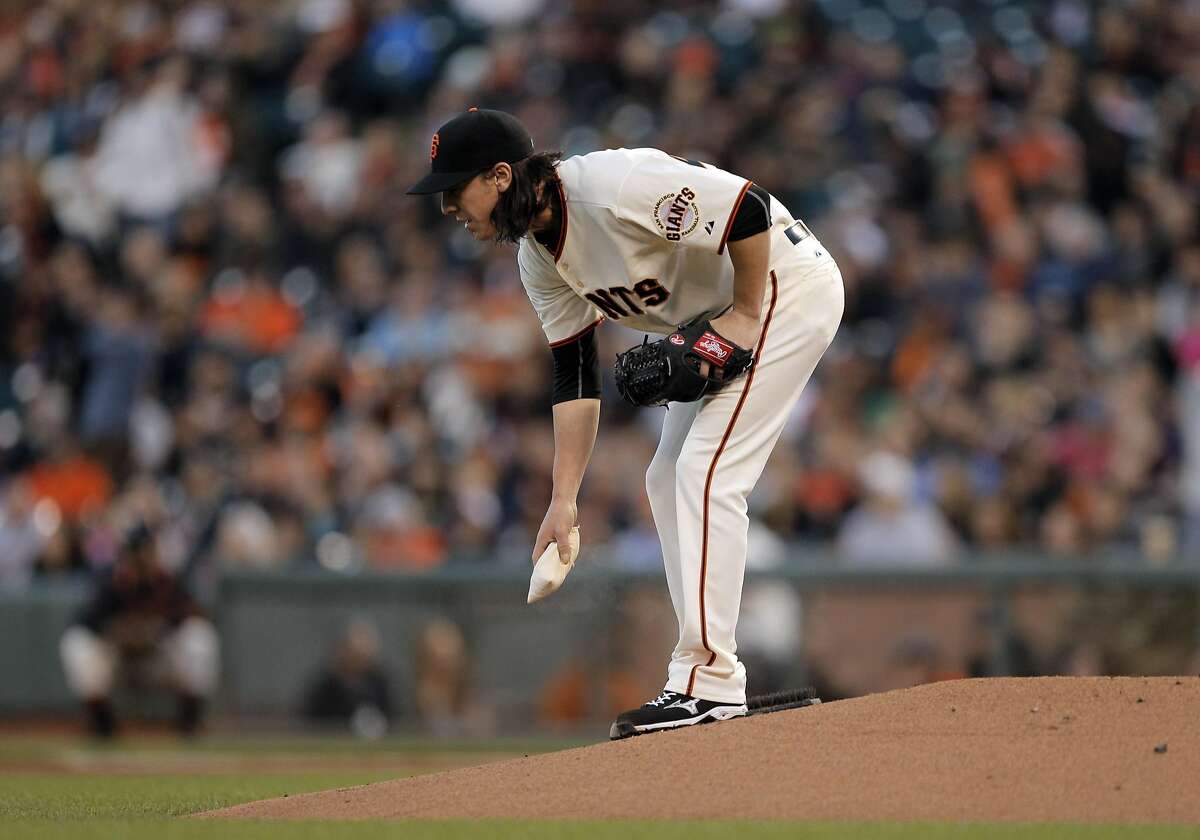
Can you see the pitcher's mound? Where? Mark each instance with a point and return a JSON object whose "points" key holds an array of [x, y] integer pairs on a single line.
{"points": [[1052, 749]]}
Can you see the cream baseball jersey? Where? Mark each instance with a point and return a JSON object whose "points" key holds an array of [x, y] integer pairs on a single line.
{"points": [[642, 242]]}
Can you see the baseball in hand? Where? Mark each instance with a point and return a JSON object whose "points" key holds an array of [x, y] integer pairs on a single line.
{"points": [[550, 571]]}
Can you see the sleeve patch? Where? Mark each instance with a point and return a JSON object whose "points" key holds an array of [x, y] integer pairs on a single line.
{"points": [[677, 214]]}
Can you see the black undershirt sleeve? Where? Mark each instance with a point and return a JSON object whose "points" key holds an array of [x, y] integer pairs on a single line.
{"points": [[753, 215], [576, 369]]}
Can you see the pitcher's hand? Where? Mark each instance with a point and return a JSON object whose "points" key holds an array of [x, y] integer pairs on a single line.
{"points": [[556, 527], [737, 327]]}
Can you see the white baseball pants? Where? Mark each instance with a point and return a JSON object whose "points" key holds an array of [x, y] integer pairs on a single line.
{"points": [[712, 453], [189, 657]]}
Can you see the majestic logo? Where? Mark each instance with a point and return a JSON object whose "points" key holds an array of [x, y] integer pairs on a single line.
{"points": [[713, 348], [433, 147], [676, 339], [687, 705], [708, 226], [676, 214]]}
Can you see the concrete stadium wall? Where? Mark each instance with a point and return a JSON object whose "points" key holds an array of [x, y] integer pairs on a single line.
{"points": [[277, 629]]}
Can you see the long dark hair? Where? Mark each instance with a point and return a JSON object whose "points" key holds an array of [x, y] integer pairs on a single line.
{"points": [[521, 203]]}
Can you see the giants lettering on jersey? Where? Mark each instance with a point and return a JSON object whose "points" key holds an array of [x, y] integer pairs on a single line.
{"points": [[676, 214], [618, 302], [630, 215]]}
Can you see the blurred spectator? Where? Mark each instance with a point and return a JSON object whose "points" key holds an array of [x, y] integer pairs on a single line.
{"points": [[891, 527], [988, 644], [352, 689], [442, 692], [152, 153], [140, 626], [76, 484], [203, 249], [326, 164], [587, 687], [1083, 659], [118, 353], [21, 540], [770, 636], [247, 537], [70, 181], [579, 694]]}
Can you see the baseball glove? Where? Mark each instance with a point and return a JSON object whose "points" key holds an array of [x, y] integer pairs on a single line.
{"points": [[668, 370]]}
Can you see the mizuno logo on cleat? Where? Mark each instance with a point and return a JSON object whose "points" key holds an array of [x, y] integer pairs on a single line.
{"points": [[686, 705]]}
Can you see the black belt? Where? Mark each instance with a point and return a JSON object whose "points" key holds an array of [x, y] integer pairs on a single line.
{"points": [[797, 232]]}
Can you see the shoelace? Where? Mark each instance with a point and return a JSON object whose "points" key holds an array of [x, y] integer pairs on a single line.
{"points": [[662, 698]]}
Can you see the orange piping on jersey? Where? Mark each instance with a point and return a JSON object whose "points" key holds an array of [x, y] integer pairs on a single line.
{"points": [[562, 230], [579, 334], [732, 214], [712, 468]]}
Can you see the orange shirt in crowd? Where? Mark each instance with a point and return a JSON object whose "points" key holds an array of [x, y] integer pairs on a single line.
{"points": [[414, 549], [76, 484], [261, 320]]}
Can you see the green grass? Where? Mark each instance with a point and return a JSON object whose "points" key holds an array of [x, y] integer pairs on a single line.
{"points": [[95, 806], [74, 798], [32, 747]]}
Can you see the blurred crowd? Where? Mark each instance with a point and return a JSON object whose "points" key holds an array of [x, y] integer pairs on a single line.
{"points": [[221, 319]]}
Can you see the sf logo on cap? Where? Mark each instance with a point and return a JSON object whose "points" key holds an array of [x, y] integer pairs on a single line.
{"points": [[433, 147]]}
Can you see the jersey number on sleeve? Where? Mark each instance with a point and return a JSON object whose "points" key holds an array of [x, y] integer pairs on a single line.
{"points": [[619, 302]]}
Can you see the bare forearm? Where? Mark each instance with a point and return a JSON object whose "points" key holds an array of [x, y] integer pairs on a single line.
{"points": [[751, 258], [575, 425]]}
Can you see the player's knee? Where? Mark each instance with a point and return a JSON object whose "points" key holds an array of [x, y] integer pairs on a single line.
{"points": [[660, 480], [691, 471], [194, 650], [198, 637], [88, 663]]}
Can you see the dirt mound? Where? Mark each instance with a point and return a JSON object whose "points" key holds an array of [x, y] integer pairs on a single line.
{"points": [[1051, 749]]}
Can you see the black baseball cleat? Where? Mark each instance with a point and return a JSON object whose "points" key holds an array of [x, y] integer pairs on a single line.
{"points": [[670, 710]]}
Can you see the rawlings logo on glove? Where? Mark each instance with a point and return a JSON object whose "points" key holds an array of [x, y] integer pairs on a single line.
{"points": [[669, 370], [713, 348]]}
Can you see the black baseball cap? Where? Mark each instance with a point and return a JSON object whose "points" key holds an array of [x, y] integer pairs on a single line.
{"points": [[472, 143]]}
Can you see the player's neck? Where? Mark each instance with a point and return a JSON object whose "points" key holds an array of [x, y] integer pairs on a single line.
{"points": [[544, 220]]}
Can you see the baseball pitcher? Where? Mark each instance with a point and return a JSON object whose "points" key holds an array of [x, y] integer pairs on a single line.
{"points": [[748, 300]]}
